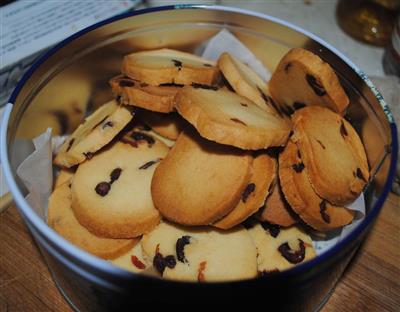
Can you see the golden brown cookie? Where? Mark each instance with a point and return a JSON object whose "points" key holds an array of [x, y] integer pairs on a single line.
{"points": [[95, 132], [312, 209], [303, 79], [62, 219], [140, 94], [332, 152], [166, 66], [247, 83], [253, 196], [65, 175], [199, 181], [278, 248], [276, 210], [227, 118], [167, 125], [201, 254], [111, 192]]}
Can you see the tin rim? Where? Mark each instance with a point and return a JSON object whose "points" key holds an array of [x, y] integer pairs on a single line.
{"points": [[74, 252]]}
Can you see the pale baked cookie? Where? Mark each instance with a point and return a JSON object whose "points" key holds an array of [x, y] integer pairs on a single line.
{"points": [[278, 248], [111, 192], [167, 125], [62, 219], [64, 175], [303, 79], [133, 260], [227, 118], [96, 131], [140, 94], [253, 196], [200, 181], [247, 83], [201, 254], [312, 209], [332, 152], [276, 210], [166, 66]]}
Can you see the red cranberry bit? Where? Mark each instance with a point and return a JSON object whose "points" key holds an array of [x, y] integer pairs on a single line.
{"points": [[115, 175], [137, 263], [293, 256], [250, 188], [103, 188], [322, 210], [315, 85], [180, 246], [273, 229], [200, 275]]}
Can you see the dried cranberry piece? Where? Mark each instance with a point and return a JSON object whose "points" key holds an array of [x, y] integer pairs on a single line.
{"points": [[103, 188], [266, 273], [107, 124], [170, 261], [207, 65], [88, 155], [140, 136], [238, 121], [149, 163], [320, 143], [298, 105], [115, 175], [343, 130], [180, 246], [315, 85], [200, 275], [126, 83], [287, 67], [273, 229], [204, 86], [250, 188], [70, 144], [137, 263], [293, 256], [298, 167], [322, 210], [177, 64], [159, 263], [360, 175], [268, 100]]}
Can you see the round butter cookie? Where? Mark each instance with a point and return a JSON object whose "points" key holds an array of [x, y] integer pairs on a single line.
{"points": [[247, 83], [140, 94], [276, 209], [253, 196], [201, 254], [333, 154], [312, 209], [303, 79], [167, 125], [278, 248], [62, 219], [227, 118], [200, 181], [111, 192], [166, 66], [96, 131]]}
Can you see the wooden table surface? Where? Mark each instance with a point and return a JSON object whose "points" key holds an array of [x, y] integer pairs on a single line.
{"points": [[371, 282]]}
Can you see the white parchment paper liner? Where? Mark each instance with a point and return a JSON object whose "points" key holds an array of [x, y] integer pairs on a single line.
{"points": [[36, 170]]}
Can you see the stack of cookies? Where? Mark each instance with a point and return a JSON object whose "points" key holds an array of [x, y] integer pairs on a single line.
{"points": [[201, 171]]}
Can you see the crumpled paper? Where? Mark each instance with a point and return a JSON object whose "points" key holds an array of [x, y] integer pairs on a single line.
{"points": [[36, 169]]}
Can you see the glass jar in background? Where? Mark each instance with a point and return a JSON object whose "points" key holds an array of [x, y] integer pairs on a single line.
{"points": [[391, 58], [370, 21]]}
